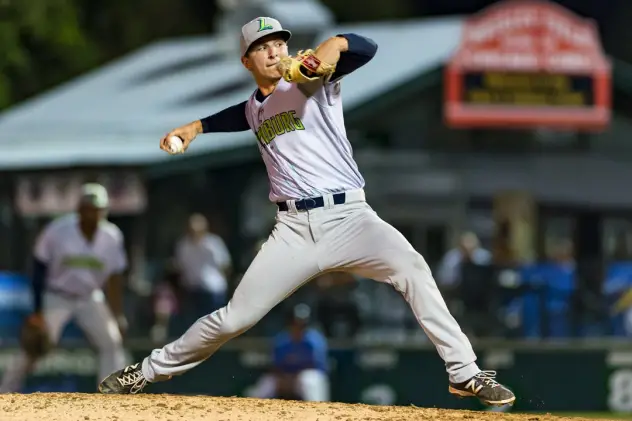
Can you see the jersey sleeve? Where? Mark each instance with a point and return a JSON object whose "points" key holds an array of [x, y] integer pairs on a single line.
{"points": [[231, 119], [361, 51], [45, 244]]}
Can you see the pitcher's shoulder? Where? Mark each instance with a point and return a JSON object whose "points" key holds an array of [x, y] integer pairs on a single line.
{"points": [[111, 230]]}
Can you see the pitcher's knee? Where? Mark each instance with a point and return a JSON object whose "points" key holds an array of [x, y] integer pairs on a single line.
{"points": [[409, 263], [233, 324], [408, 268]]}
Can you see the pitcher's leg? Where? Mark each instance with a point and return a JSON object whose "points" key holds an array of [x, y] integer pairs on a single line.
{"points": [[284, 263], [366, 245], [409, 274]]}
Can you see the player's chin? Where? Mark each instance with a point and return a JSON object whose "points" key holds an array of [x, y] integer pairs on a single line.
{"points": [[275, 76], [273, 72]]}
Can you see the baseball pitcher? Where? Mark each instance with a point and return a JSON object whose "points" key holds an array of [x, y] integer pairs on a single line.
{"points": [[323, 222], [75, 258]]}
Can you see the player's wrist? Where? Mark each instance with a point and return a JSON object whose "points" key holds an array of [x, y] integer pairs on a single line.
{"points": [[198, 126], [342, 42]]}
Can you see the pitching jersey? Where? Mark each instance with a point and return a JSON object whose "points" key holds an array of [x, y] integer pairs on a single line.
{"points": [[303, 141], [76, 266]]}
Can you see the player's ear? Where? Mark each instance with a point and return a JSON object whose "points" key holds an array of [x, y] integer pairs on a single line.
{"points": [[246, 62]]}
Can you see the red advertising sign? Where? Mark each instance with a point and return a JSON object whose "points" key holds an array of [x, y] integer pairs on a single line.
{"points": [[528, 64]]}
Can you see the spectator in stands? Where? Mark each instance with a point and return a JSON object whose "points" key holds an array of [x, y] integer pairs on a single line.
{"points": [[468, 250], [299, 363], [467, 279], [204, 265], [561, 273]]}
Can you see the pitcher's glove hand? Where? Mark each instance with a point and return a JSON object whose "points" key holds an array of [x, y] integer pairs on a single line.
{"points": [[34, 337], [305, 67]]}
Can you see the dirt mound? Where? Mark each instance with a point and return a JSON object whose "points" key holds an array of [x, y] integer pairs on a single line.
{"points": [[149, 407]]}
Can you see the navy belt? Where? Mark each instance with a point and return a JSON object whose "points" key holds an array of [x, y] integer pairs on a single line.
{"points": [[313, 203]]}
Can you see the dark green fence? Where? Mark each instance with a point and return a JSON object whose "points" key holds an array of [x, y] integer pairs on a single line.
{"points": [[570, 377]]}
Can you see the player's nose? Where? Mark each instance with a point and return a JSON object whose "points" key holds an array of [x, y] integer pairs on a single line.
{"points": [[273, 52]]}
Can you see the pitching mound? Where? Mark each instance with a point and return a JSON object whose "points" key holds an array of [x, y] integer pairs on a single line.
{"points": [[94, 407]]}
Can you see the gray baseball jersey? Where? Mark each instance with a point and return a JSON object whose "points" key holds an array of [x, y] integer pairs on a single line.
{"points": [[303, 141]]}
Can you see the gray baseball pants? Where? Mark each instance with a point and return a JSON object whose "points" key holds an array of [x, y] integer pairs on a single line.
{"points": [[350, 237]]}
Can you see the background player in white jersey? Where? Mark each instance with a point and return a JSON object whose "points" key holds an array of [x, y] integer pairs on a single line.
{"points": [[323, 221], [75, 258]]}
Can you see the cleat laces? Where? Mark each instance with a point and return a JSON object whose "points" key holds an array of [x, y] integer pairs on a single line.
{"points": [[488, 378], [133, 378]]}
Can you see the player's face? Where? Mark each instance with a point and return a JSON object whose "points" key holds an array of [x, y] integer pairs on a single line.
{"points": [[91, 215], [263, 57]]}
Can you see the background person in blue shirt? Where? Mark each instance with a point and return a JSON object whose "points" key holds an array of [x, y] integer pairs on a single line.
{"points": [[299, 363]]}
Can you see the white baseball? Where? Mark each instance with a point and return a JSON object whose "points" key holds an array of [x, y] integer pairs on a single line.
{"points": [[176, 145]]}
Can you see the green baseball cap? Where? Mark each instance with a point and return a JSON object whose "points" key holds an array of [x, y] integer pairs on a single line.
{"points": [[259, 28], [94, 194]]}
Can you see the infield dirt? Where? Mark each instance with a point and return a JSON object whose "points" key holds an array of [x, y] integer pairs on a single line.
{"points": [[153, 407]]}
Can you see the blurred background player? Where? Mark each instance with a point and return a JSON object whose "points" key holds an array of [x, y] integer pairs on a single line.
{"points": [[204, 264], [76, 258], [299, 363]]}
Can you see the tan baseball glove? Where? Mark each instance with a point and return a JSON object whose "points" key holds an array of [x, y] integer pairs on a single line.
{"points": [[305, 67], [34, 337]]}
